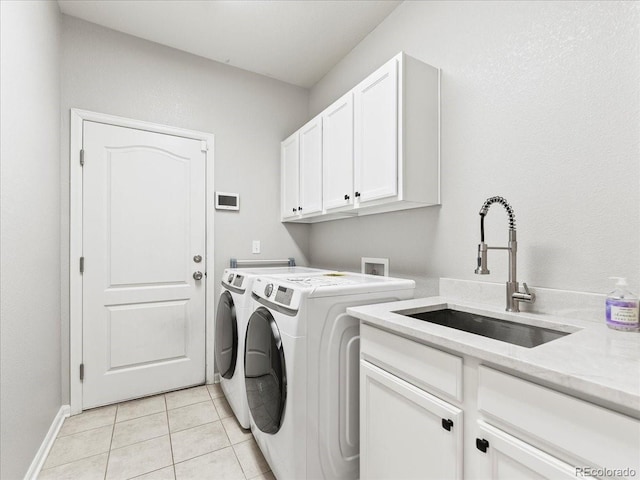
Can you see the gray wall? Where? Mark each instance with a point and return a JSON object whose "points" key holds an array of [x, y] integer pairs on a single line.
{"points": [[30, 230], [540, 104], [249, 114]]}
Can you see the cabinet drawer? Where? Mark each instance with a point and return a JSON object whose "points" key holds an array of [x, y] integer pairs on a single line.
{"points": [[427, 367], [585, 431]]}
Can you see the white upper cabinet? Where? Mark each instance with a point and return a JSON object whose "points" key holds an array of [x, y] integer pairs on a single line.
{"points": [[397, 137], [311, 168], [289, 158], [376, 134], [378, 148], [337, 154]]}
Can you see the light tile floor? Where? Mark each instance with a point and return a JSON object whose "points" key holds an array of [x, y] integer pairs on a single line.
{"points": [[182, 435]]}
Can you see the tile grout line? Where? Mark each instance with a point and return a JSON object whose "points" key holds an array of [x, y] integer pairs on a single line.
{"points": [[235, 454], [232, 445], [113, 429], [74, 461], [139, 441], [209, 453], [140, 416], [83, 431], [173, 462]]}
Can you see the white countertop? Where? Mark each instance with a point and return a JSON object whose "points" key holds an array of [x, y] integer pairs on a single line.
{"points": [[595, 361]]}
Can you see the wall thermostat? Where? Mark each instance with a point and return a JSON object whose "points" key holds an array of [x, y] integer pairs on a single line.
{"points": [[227, 201]]}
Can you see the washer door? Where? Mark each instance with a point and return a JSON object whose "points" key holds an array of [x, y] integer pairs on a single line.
{"points": [[265, 371], [226, 336]]}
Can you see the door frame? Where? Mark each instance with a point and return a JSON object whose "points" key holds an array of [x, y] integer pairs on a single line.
{"points": [[78, 116]]}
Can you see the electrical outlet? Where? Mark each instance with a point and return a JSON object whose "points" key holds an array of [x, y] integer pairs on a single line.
{"points": [[255, 248]]}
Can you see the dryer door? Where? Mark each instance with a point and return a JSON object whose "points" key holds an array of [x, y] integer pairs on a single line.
{"points": [[226, 336], [265, 371]]}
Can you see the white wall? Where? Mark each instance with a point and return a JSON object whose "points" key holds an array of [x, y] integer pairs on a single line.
{"points": [[541, 105], [30, 229], [249, 114]]}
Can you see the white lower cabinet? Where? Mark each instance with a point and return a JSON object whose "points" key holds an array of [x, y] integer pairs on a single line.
{"points": [[558, 432], [513, 428], [417, 437], [508, 458]]}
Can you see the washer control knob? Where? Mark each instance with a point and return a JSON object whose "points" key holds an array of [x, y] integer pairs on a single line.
{"points": [[268, 290], [230, 279]]}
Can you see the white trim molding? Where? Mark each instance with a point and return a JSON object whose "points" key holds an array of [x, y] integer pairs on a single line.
{"points": [[75, 236], [47, 443]]}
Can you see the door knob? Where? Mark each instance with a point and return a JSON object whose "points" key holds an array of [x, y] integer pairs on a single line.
{"points": [[197, 275]]}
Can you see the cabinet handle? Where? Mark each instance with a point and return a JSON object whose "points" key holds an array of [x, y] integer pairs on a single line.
{"points": [[447, 423], [295, 210], [482, 444], [357, 194], [299, 209], [346, 197]]}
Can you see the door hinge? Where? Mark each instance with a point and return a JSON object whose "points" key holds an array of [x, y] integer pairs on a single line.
{"points": [[203, 146], [81, 264], [82, 157], [81, 371]]}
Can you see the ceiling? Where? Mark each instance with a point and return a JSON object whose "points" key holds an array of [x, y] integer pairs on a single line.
{"points": [[296, 41]]}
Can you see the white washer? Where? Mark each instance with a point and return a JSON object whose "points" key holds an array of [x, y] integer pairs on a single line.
{"points": [[234, 308], [301, 370]]}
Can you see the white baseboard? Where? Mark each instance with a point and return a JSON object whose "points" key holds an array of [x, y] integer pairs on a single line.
{"points": [[47, 443], [216, 378]]}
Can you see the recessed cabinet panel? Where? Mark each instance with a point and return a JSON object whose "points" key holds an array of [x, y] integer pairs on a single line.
{"points": [[311, 168], [376, 134], [402, 433], [289, 176], [508, 458], [337, 153]]}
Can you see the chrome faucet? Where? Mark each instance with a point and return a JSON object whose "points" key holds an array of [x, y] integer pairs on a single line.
{"points": [[514, 295]]}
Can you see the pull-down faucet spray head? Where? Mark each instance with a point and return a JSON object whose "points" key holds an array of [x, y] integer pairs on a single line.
{"points": [[482, 247], [482, 260]]}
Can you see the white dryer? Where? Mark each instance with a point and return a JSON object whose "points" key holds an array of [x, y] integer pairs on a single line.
{"points": [[301, 370], [234, 308]]}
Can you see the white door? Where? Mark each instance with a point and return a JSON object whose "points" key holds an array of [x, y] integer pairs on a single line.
{"points": [[403, 430], [337, 154], [376, 134], [508, 458], [311, 167], [143, 224], [290, 154]]}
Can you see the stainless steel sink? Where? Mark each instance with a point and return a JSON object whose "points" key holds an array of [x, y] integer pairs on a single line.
{"points": [[528, 336]]}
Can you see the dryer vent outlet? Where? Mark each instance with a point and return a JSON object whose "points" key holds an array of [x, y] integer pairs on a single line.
{"points": [[375, 266]]}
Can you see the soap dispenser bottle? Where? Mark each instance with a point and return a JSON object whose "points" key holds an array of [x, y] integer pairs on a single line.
{"points": [[622, 308]]}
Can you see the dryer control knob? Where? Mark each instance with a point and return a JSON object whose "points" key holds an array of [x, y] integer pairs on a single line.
{"points": [[230, 279], [268, 290]]}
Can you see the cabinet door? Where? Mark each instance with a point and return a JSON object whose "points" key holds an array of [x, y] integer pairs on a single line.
{"points": [[289, 156], [337, 154], [509, 458], [376, 134], [311, 167], [401, 430]]}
